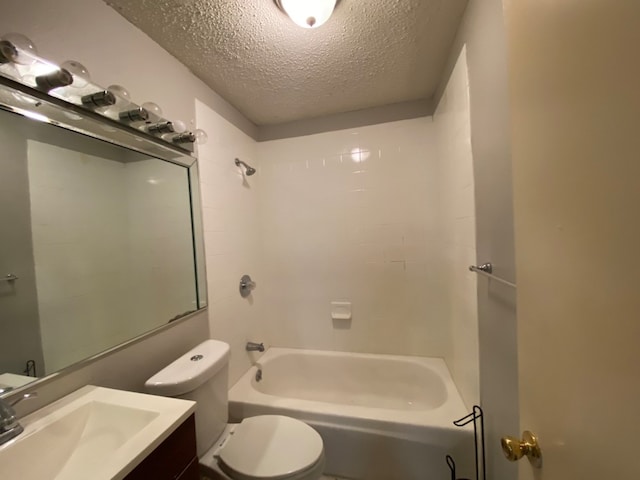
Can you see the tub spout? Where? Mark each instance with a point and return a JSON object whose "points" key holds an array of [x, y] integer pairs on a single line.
{"points": [[255, 347]]}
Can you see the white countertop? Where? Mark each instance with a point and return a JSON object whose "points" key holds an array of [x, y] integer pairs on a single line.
{"points": [[94, 432]]}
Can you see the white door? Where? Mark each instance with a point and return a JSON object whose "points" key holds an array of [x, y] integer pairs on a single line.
{"points": [[575, 101]]}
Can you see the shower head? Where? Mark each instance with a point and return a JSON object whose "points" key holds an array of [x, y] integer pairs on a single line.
{"points": [[247, 169]]}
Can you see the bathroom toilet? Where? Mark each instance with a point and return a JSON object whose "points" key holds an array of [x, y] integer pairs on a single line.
{"points": [[271, 447]]}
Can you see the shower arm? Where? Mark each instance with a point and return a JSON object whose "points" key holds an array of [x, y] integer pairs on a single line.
{"points": [[247, 167]]}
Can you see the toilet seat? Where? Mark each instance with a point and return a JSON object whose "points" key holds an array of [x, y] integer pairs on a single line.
{"points": [[271, 447]]}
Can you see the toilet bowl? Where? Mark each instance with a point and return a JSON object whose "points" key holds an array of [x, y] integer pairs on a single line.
{"points": [[271, 447]]}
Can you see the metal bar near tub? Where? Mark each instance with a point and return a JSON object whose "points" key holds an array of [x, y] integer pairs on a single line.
{"points": [[486, 270]]}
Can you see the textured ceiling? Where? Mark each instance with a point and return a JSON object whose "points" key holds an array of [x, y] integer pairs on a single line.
{"points": [[369, 53]]}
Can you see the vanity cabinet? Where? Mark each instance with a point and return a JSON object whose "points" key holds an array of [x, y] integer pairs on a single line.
{"points": [[174, 459]]}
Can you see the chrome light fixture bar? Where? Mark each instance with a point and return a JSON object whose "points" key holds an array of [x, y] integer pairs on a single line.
{"points": [[37, 105], [71, 83]]}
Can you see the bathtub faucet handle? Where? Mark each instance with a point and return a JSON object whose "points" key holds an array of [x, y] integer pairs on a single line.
{"points": [[255, 347], [246, 285]]}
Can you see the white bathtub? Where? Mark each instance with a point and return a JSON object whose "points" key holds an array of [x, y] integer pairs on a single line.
{"points": [[381, 416]]}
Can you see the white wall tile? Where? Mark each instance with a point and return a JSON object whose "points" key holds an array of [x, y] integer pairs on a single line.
{"points": [[344, 215], [457, 238], [232, 237]]}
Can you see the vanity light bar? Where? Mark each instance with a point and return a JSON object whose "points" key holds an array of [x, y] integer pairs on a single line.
{"points": [[99, 99], [71, 83], [135, 115], [55, 79], [186, 137]]}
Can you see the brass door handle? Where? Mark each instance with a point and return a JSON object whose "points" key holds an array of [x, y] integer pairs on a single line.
{"points": [[515, 449]]}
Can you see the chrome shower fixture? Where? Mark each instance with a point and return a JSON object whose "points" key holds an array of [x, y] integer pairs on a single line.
{"points": [[248, 170]]}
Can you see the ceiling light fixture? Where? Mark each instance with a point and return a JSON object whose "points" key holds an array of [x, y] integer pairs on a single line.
{"points": [[307, 13]]}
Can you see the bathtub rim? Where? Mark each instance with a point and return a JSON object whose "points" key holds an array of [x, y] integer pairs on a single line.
{"points": [[425, 426]]}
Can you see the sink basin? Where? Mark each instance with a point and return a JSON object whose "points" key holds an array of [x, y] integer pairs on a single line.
{"points": [[96, 433]]}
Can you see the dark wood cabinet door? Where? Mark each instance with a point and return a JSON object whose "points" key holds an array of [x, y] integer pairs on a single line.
{"points": [[173, 459]]}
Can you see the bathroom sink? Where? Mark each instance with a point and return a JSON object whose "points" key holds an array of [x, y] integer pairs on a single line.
{"points": [[95, 432]]}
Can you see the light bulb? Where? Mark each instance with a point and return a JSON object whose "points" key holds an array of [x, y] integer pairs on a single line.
{"points": [[308, 13], [179, 126], [152, 108], [121, 93], [201, 137], [81, 76], [16, 48]]}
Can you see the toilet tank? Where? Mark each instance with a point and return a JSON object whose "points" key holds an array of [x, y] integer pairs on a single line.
{"points": [[200, 375]]}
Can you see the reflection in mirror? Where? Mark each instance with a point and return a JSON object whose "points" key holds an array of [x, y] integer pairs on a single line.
{"points": [[101, 240]]}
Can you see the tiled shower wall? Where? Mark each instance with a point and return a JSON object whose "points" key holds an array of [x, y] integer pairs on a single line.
{"points": [[350, 216], [379, 216], [231, 226], [456, 237], [382, 217]]}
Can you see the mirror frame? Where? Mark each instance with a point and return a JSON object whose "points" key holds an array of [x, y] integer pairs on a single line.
{"points": [[38, 106]]}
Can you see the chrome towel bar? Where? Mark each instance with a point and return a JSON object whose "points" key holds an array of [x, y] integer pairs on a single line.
{"points": [[8, 278], [486, 269]]}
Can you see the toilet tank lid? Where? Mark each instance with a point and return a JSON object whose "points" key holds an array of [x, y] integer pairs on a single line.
{"points": [[190, 370]]}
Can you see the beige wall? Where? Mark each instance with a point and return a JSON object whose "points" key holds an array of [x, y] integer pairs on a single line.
{"points": [[574, 75], [483, 32]]}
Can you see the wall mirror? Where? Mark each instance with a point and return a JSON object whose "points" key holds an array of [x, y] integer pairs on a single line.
{"points": [[101, 235]]}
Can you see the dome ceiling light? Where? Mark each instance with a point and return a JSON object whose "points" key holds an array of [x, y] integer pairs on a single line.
{"points": [[307, 13]]}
